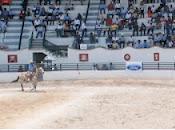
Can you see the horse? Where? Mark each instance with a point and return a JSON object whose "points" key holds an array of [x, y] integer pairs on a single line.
{"points": [[34, 78]]}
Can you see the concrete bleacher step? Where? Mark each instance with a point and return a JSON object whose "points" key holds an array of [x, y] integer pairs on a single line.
{"points": [[91, 18], [12, 36], [37, 43], [93, 8], [93, 14], [90, 24], [12, 30], [63, 2]]}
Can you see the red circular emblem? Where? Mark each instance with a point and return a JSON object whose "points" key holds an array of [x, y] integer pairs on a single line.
{"points": [[127, 57]]}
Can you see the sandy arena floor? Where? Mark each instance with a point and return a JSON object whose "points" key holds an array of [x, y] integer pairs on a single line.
{"points": [[89, 104]]}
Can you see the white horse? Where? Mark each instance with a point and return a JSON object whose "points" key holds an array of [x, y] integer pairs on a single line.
{"points": [[34, 78]]}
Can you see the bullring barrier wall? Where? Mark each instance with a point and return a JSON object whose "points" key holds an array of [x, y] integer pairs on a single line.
{"points": [[77, 75], [95, 55]]}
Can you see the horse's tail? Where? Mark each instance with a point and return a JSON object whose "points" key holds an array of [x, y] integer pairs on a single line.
{"points": [[16, 80]]}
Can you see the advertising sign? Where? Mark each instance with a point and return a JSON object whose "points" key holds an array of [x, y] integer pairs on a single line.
{"points": [[134, 66], [83, 57]]}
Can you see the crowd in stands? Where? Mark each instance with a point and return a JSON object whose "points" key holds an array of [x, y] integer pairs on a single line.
{"points": [[58, 15], [5, 15], [157, 23]]}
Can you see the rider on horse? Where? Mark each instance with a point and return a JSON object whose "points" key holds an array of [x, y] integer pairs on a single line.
{"points": [[31, 70]]}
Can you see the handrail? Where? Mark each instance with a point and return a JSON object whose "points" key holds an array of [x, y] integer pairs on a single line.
{"points": [[24, 4], [44, 37], [87, 12], [90, 66]]}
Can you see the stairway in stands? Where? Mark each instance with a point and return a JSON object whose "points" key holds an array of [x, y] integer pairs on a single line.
{"points": [[92, 15], [91, 18], [12, 37]]}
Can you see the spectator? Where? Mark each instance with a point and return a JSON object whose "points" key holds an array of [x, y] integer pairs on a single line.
{"points": [[135, 28], [59, 30], [102, 8], [122, 42], [84, 29], [145, 44], [149, 12], [143, 29], [99, 29], [40, 31], [130, 41], [150, 28]]}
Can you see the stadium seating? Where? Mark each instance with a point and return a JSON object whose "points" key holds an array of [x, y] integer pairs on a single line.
{"points": [[102, 29]]}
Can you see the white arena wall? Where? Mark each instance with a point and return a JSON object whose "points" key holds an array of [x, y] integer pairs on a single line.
{"points": [[95, 55], [93, 75]]}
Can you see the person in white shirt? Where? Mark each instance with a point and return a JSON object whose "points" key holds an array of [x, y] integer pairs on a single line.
{"points": [[128, 15], [170, 43], [40, 31], [59, 30], [84, 29], [77, 24], [37, 22]]}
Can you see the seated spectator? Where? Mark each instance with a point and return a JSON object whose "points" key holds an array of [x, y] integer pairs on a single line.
{"points": [[138, 44], [92, 37], [98, 29], [170, 43], [114, 45], [122, 41], [117, 7], [67, 18], [40, 31], [130, 41], [37, 22], [163, 40], [146, 44]]}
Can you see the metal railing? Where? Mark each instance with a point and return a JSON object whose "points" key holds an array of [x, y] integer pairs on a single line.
{"points": [[24, 4], [89, 66]]}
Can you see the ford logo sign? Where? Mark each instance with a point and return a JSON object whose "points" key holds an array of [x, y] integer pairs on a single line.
{"points": [[134, 67]]}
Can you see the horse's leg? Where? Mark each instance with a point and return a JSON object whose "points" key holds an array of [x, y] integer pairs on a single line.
{"points": [[34, 84], [22, 87]]}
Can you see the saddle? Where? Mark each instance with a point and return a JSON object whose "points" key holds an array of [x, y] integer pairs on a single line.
{"points": [[29, 76]]}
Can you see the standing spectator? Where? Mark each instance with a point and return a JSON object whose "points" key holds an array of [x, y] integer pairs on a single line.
{"points": [[135, 28], [21, 15], [149, 12], [150, 28], [84, 29], [143, 29], [59, 30], [102, 7]]}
